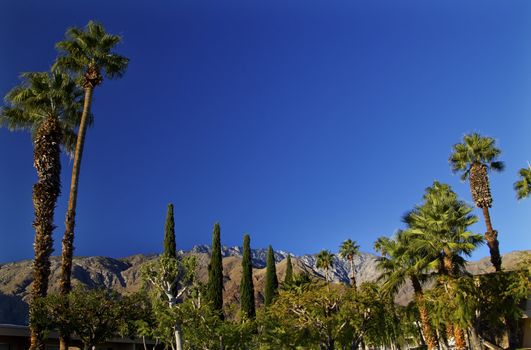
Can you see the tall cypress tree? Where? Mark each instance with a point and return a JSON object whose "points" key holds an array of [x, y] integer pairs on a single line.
{"points": [[246, 285], [288, 279], [170, 248], [271, 286], [215, 273]]}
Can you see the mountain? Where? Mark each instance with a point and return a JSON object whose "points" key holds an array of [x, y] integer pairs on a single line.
{"points": [[123, 275]]}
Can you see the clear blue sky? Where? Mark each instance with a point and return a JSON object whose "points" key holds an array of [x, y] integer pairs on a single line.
{"points": [[302, 123]]}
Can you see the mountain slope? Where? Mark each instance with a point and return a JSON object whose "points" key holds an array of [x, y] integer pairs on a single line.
{"points": [[123, 275]]}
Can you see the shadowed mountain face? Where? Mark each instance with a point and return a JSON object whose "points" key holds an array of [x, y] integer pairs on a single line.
{"points": [[123, 275]]}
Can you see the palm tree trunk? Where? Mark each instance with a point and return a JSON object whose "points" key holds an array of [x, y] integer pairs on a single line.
{"points": [[455, 330], [353, 276], [491, 236], [327, 282], [47, 162], [429, 334], [68, 238], [459, 337]]}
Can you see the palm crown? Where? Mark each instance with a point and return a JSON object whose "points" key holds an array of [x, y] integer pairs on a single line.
{"points": [[324, 260], [349, 249], [87, 53], [523, 185], [399, 262], [475, 149], [440, 225], [40, 96]]}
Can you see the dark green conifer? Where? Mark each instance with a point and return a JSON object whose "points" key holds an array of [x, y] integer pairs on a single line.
{"points": [[271, 286], [247, 306], [170, 248], [288, 279], [215, 273]]}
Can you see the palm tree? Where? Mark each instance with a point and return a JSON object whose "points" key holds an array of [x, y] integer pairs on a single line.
{"points": [[474, 158], [87, 54], [400, 264], [523, 185], [348, 250], [439, 230], [325, 261], [440, 226], [48, 105]]}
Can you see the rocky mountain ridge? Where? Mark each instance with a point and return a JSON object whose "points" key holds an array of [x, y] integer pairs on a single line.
{"points": [[123, 275]]}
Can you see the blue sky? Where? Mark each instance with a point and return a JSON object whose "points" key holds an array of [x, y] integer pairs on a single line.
{"points": [[303, 123]]}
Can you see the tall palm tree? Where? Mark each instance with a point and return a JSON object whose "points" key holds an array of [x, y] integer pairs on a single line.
{"points": [[348, 250], [325, 260], [88, 55], [439, 230], [523, 185], [48, 105], [399, 263], [474, 158]]}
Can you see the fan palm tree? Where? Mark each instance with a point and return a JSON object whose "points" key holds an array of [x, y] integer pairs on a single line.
{"points": [[48, 105], [325, 260], [87, 54], [440, 226], [474, 158], [348, 250], [399, 264], [439, 229], [523, 185]]}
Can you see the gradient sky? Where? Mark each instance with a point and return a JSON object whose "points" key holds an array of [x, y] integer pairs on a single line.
{"points": [[303, 123]]}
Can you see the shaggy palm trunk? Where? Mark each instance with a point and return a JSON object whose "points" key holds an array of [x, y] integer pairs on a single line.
{"points": [[352, 276], [429, 334], [480, 188], [327, 281], [47, 162], [68, 238], [456, 331], [459, 337]]}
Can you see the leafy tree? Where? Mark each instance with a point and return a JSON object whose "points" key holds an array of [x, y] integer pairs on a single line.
{"points": [[300, 283], [88, 55], [215, 273], [348, 250], [474, 158], [330, 318], [271, 283], [93, 315], [170, 247], [288, 278], [170, 280], [48, 106], [523, 185], [325, 260], [247, 305]]}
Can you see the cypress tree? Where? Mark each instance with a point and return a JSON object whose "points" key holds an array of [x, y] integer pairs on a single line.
{"points": [[271, 286], [215, 273], [288, 279], [247, 306], [170, 248]]}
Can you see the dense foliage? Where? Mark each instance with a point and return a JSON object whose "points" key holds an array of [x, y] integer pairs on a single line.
{"points": [[215, 273]]}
